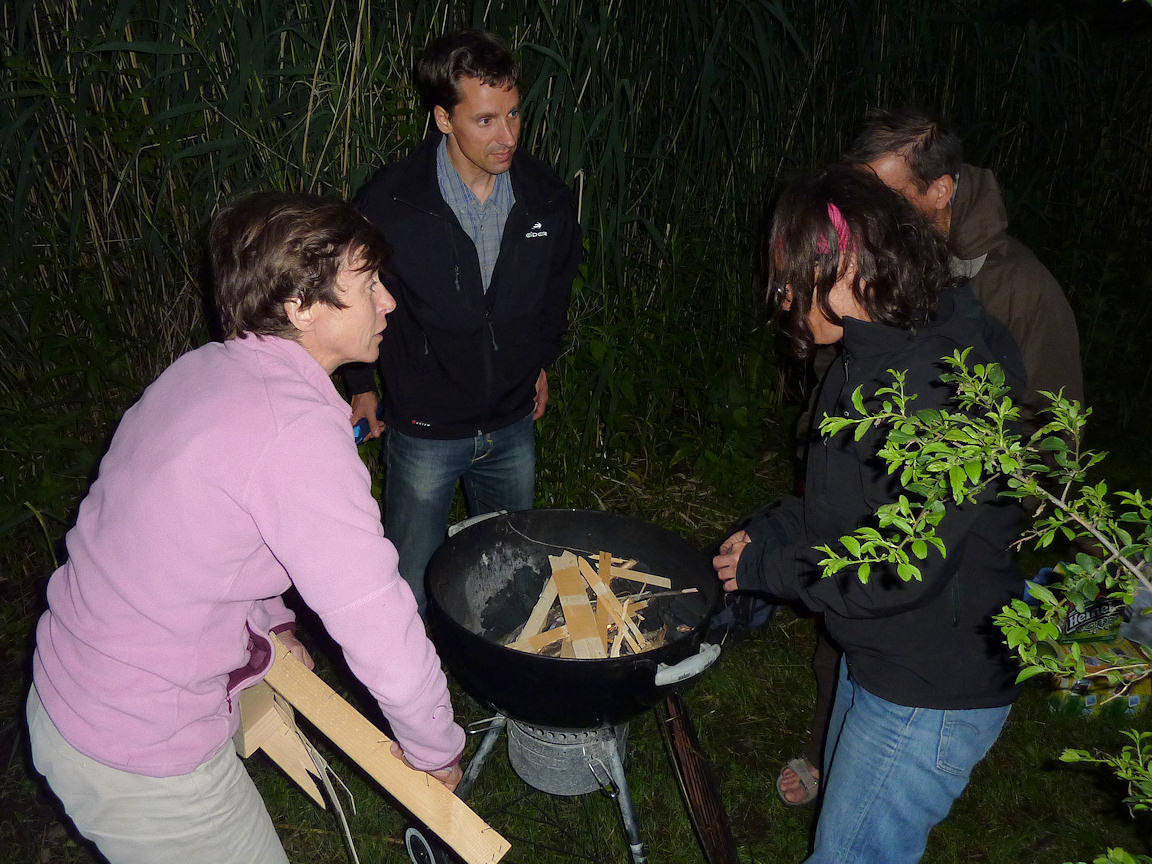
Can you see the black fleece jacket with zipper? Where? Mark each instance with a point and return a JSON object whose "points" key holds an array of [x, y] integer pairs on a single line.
{"points": [[929, 643], [456, 360]]}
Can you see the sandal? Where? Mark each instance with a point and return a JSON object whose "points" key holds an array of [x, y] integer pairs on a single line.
{"points": [[809, 779]]}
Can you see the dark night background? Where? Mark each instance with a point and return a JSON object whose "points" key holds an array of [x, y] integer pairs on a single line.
{"points": [[126, 124]]}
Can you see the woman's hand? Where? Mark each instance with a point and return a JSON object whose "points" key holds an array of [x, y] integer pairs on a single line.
{"points": [[296, 648], [727, 562], [449, 777]]}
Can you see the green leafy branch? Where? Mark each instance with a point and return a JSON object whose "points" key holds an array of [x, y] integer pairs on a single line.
{"points": [[957, 454], [941, 456], [952, 456]]}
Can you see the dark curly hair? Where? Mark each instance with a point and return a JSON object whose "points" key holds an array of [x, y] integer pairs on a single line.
{"points": [[271, 247], [464, 54], [901, 262]]}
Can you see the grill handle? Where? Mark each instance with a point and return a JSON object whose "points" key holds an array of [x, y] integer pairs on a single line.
{"points": [[453, 530], [689, 667]]}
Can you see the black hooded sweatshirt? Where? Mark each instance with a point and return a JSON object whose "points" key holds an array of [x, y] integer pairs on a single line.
{"points": [[929, 643]]}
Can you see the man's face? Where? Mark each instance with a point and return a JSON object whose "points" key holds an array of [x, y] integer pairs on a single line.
{"points": [[893, 171], [483, 129]]}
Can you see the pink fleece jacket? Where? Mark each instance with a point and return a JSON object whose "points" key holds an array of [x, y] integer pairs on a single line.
{"points": [[233, 477]]}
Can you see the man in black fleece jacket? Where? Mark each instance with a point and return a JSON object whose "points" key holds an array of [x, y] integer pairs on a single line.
{"points": [[485, 245]]}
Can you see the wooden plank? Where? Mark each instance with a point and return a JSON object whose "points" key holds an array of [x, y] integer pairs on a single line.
{"points": [[266, 723], [539, 616], [604, 617], [423, 796], [643, 578], [536, 644], [605, 599], [578, 614]]}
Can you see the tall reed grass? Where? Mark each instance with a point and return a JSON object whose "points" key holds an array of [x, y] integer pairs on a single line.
{"points": [[126, 124]]}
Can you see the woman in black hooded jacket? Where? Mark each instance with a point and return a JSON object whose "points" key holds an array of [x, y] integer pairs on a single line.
{"points": [[925, 684]]}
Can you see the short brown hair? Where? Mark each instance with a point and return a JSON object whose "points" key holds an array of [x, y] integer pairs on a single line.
{"points": [[929, 147], [465, 54], [271, 247]]}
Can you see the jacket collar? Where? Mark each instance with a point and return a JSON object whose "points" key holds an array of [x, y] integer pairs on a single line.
{"points": [[532, 183], [864, 339]]}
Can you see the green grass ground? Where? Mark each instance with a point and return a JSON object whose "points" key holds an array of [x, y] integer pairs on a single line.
{"points": [[751, 712], [751, 715]]}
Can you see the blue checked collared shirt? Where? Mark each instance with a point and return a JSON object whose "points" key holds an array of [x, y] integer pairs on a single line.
{"points": [[484, 223]]}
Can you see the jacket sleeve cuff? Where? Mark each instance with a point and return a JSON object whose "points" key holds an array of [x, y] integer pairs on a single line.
{"points": [[359, 377]]}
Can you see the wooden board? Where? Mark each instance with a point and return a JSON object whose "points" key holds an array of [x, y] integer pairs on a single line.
{"points": [[587, 641], [425, 798], [608, 601], [655, 581], [267, 723]]}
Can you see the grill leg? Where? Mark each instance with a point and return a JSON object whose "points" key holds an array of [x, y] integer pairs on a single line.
{"points": [[481, 756], [627, 811]]}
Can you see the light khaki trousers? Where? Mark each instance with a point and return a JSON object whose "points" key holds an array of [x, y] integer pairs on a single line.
{"points": [[213, 814]]}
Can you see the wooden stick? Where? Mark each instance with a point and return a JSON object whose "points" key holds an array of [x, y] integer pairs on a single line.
{"points": [[604, 617], [536, 644], [607, 600], [642, 578], [424, 797], [617, 642], [539, 616], [578, 614]]}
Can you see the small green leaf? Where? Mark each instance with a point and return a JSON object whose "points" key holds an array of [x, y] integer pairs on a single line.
{"points": [[973, 468], [908, 572], [956, 481], [1029, 672]]}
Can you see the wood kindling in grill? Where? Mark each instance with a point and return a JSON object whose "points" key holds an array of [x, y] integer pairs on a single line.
{"points": [[587, 640], [539, 616], [538, 642], [603, 625], [608, 601], [643, 578]]}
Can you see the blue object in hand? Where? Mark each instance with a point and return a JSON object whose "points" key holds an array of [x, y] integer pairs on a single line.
{"points": [[362, 427]]}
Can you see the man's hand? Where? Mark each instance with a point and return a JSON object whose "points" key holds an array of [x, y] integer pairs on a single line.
{"points": [[364, 407], [727, 562], [449, 777], [296, 648], [541, 401]]}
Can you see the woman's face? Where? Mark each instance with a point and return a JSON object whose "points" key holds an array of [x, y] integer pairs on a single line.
{"points": [[843, 303], [337, 336]]}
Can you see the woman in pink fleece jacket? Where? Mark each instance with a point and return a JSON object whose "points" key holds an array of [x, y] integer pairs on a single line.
{"points": [[234, 477]]}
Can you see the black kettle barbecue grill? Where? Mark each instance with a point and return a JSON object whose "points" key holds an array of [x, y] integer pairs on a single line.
{"points": [[566, 718]]}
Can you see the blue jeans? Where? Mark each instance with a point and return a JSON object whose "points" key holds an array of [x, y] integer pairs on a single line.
{"points": [[498, 470], [892, 772]]}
